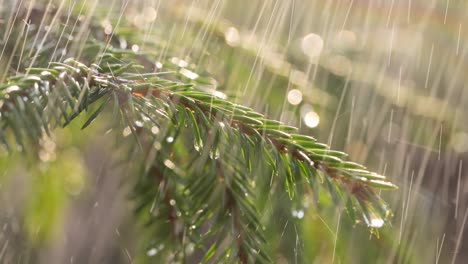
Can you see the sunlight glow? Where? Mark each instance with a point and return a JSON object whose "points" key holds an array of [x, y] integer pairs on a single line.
{"points": [[295, 97], [150, 14], [339, 65], [345, 40], [311, 119], [232, 37], [459, 142], [312, 46]]}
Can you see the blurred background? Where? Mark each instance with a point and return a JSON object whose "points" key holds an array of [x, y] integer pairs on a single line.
{"points": [[383, 81]]}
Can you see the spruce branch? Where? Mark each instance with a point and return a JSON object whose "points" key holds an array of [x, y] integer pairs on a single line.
{"points": [[226, 140], [202, 154]]}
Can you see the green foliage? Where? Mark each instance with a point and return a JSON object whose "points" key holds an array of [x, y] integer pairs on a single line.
{"points": [[205, 167]]}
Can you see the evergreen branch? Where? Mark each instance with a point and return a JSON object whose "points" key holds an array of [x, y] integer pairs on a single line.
{"points": [[303, 152], [145, 100], [32, 104]]}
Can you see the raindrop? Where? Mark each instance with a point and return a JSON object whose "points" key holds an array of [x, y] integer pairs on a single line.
{"points": [[189, 248], [295, 97], [157, 145], [214, 154], [170, 139], [135, 48], [182, 63], [123, 43], [169, 164], [155, 130], [217, 93], [189, 74], [108, 29], [172, 202], [138, 123], [175, 60], [152, 252], [158, 65], [299, 214], [44, 73], [374, 221], [127, 131], [12, 88], [197, 147]]}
